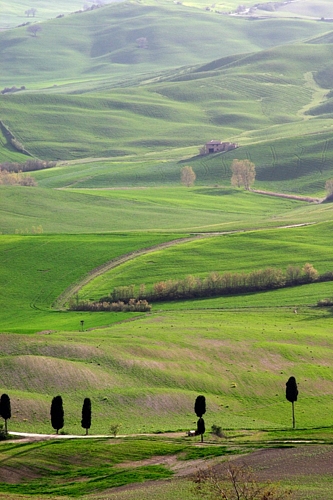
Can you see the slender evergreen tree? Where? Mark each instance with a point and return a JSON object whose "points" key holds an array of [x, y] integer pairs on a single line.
{"points": [[200, 409], [291, 395], [86, 415], [57, 413], [5, 409]]}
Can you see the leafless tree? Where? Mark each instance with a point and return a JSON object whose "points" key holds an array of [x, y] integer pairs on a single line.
{"points": [[34, 29], [31, 12], [243, 173], [329, 187], [188, 176], [142, 42], [238, 483]]}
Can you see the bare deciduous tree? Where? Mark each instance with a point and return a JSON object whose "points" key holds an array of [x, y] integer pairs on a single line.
{"points": [[34, 29], [31, 12], [238, 483], [142, 42], [187, 176], [329, 187], [243, 173]]}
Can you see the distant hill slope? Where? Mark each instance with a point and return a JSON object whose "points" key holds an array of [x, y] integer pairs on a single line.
{"points": [[266, 95], [16, 13], [128, 41], [129, 79]]}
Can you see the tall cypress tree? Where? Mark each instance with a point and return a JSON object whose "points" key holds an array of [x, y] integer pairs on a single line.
{"points": [[5, 409], [200, 409], [86, 415], [291, 395], [57, 413]]}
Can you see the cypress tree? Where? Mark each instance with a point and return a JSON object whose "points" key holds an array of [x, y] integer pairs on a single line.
{"points": [[86, 415], [57, 413], [291, 395], [5, 409], [200, 409]]}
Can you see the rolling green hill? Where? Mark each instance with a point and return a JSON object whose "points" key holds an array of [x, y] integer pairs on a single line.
{"points": [[123, 96], [84, 51]]}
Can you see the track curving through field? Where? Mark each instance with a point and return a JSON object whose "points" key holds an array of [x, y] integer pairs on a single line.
{"points": [[111, 264]]}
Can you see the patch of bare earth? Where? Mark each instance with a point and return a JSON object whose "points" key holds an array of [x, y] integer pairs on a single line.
{"points": [[13, 475], [273, 464], [276, 464], [270, 464]]}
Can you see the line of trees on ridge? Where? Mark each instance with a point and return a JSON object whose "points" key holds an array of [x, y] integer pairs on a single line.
{"points": [[215, 284], [57, 413]]}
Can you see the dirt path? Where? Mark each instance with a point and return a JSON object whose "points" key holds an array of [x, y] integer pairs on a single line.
{"points": [[111, 264]]}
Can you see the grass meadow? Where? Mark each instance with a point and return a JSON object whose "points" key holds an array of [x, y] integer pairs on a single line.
{"points": [[225, 253], [160, 209], [145, 374]]}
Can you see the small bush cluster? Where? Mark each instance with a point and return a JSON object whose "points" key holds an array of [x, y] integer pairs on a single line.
{"points": [[238, 483], [3, 434], [216, 284], [132, 305], [34, 230], [12, 178], [217, 431], [28, 166], [6, 90], [325, 303]]}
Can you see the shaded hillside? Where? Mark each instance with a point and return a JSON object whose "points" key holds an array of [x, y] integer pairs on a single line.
{"points": [[105, 43], [254, 98]]}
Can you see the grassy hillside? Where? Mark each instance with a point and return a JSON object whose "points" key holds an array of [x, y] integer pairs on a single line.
{"points": [[239, 101], [28, 210], [146, 374], [77, 51], [266, 102], [37, 269], [13, 13], [277, 248]]}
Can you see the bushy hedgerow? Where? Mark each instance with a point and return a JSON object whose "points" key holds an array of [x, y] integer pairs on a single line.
{"points": [[13, 178], [132, 305], [216, 284], [28, 166]]}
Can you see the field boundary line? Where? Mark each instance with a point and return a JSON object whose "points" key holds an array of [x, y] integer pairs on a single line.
{"points": [[60, 302]]}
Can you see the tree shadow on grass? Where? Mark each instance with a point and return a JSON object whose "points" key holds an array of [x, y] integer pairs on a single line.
{"points": [[215, 191]]}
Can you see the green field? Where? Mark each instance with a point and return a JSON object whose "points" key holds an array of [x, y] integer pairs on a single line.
{"points": [[123, 97]]}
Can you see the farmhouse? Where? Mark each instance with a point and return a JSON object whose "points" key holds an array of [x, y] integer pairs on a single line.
{"points": [[218, 146]]}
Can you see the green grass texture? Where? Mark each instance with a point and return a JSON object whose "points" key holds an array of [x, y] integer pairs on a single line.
{"points": [[146, 374], [158, 209], [226, 253]]}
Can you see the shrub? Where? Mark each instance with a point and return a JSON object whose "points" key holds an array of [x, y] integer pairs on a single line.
{"points": [[132, 305], [238, 483], [217, 431], [311, 274], [3, 435], [325, 303], [12, 178], [114, 429]]}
